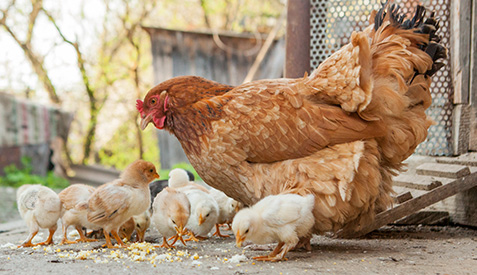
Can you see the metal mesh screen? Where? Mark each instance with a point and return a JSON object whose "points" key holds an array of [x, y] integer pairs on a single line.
{"points": [[332, 23]]}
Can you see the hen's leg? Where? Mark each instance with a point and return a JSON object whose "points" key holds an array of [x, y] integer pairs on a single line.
{"points": [[217, 232], [49, 241], [83, 238], [115, 235]]}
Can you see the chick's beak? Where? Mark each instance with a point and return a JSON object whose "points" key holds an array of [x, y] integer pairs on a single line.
{"points": [[145, 121], [156, 175], [239, 239], [201, 219]]}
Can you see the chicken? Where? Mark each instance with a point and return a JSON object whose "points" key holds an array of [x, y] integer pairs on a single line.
{"points": [[204, 212], [141, 224], [74, 205], [283, 218], [171, 211], [227, 209], [178, 178], [158, 185], [339, 134], [126, 230], [40, 207], [112, 204]]}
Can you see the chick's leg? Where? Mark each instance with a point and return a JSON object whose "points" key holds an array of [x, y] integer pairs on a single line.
{"points": [[115, 235], [140, 236], [64, 227], [108, 240], [27, 242], [49, 241], [165, 244], [272, 257], [83, 237], [217, 232]]}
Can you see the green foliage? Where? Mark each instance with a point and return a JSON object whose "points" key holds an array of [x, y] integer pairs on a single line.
{"points": [[16, 177], [164, 174]]}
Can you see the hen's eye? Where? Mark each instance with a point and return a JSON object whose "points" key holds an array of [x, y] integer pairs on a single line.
{"points": [[153, 101]]}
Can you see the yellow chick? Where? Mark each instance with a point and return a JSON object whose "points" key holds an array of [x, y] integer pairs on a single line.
{"points": [[171, 211], [112, 204], [203, 215], [141, 224], [179, 178], [74, 210], [127, 229], [227, 209], [284, 218], [40, 207]]}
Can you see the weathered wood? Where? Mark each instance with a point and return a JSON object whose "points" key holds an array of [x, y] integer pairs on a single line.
{"points": [[413, 205], [298, 39], [425, 218], [419, 182], [443, 170], [403, 197], [469, 159], [473, 81]]}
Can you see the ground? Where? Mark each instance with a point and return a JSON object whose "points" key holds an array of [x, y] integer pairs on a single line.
{"points": [[390, 250]]}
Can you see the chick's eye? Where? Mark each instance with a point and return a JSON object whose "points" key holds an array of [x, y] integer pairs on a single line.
{"points": [[152, 170], [246, 231], [173, 222], [208, 215]]}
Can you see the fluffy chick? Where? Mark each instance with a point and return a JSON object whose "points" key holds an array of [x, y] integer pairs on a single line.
{"points": [[139, 223], [158, 185], [40, 207], [127, 229], [227, 209], [112, 204], [203, 215], [283, 218], [171, 211], [179, 178], [74, 210]]}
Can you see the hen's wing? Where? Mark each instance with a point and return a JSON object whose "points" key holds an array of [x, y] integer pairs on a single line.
{"points": [[107, 202], [274, 120]]}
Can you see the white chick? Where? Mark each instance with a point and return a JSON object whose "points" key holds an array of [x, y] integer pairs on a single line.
{"points": [[74, 210], [112, 204], [40, 207], [227, 209], [141, 224], [171, 211], [283, 218], [179, 178], [203, 214]]}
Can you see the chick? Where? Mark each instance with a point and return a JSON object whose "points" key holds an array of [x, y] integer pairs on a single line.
{"points": [[158, 185], [284, 218], [112, 204], [40, 207], [179, 178], [171, 211], [141, 224], [203, 215], [127, 229], [74, 210], [227, 209]]}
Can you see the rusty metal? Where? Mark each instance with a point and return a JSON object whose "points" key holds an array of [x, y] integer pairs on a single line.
{"points": [[298, 39]]}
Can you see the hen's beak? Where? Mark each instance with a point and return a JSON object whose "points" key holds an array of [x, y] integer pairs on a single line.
{"points": [[201, 219], [145, 121], [239, 239]]}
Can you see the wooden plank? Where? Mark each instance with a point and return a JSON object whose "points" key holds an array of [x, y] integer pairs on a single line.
{"points": [[413, 205], [425, 217], [419, 182], [443, 170], [403, 197], [469, 159]]}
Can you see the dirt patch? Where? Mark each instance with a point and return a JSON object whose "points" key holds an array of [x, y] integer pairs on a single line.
{"points": [[390, 250]]}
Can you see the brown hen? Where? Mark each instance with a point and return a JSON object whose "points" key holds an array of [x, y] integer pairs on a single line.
{"points": [[339, 134]]}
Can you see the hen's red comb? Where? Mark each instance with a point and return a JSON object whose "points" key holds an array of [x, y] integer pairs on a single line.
{"points": [[139, 105]]}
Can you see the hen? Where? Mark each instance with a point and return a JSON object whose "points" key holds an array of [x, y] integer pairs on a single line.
{"points": [[40, 207], [339, 134], [74, 200], [283, 218], [114, 203]]}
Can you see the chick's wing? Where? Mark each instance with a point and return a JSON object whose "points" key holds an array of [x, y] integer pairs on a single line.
{"points": [[107, 202]]}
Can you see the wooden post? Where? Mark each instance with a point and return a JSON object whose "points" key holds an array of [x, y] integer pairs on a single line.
{"points": [[473, 80], [298, 39]]}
